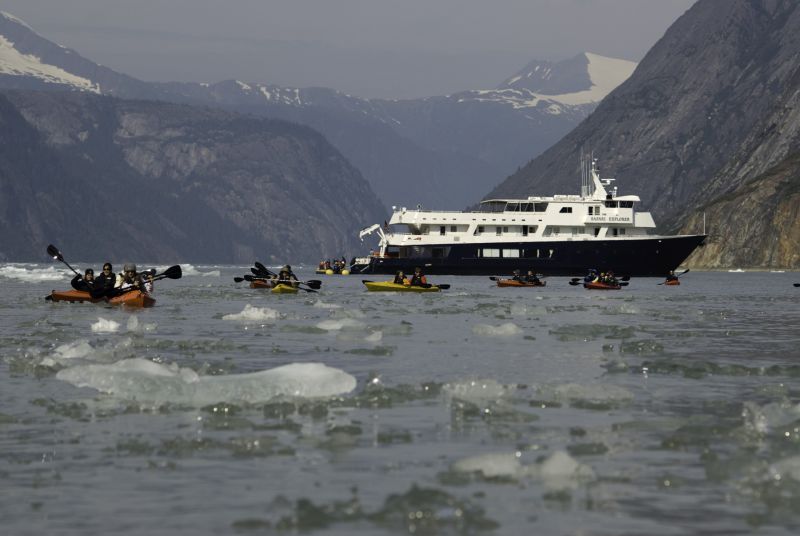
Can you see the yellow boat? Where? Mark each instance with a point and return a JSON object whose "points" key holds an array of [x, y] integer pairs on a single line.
{"points": [[388, 286], [281, 288]]}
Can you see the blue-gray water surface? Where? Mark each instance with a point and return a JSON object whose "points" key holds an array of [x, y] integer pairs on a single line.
{"points": [[478, 410]]}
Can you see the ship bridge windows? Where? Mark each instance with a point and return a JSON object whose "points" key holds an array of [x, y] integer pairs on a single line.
{"points": [[510, 253], [611, 204], [626, 204], [565, 210], [538, 253], [479, 230]]}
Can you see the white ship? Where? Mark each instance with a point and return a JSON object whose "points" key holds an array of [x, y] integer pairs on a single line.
{"points": [[558, 235]]}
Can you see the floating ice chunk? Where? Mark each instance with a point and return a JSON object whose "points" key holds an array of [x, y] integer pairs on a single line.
{"points": [[143, 380], [135, 325], [786, 468], [492, 465], [253, 314], [476, 391], [375, 337], [51, 273], [74, 350], [105, 326], [319, 304], [561, 471], [597, 393], [341, 324], [765, 418], [503, 330]]}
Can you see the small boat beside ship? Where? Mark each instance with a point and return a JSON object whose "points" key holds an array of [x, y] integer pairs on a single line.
{"points": [[557, 235]]}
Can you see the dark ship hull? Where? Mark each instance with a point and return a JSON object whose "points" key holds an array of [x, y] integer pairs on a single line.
{"points": [[651, 256]]}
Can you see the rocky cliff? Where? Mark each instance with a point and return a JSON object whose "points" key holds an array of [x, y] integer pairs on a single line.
{"points": [[108, 178], [711, 107]]}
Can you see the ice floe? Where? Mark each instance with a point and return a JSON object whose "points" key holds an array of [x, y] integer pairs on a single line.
{"points": [[103, 325], [341, 324], [476, 391], [557, 471], [146, 381], [508, 329], [253, 314]]}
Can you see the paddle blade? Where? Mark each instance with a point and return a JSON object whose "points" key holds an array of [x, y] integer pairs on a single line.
{"points": [[173, 272], [493, 278], [573, 283], [623, 284], [49, 297], [625, 278], [53, 252], [444, 287], [238, 279], [575, 279], [263, 270], [249, 278], [797, 284]]}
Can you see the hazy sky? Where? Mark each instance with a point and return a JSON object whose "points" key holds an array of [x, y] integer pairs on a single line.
{"points": [[369, 48]]}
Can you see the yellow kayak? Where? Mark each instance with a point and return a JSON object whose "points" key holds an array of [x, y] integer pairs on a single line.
{"points": [[281, 288], [388, 286]]}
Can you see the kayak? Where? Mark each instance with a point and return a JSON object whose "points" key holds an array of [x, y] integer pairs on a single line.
{"points": [[388, 286], [281, 288], [331, 272], [601, 286], [513, 283], [260, 283], [133, 298], [673, 282]]}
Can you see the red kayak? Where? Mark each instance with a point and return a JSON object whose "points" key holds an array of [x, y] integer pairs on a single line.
{"points": [[597, 285], [132, 298], [513, 283], [672, 282], [260, 283]]}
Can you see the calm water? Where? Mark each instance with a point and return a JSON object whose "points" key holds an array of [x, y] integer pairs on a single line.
{"points": [[651, 410]]}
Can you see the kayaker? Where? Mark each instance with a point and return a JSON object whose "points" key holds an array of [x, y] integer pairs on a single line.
{"points": [[106, 280], [286, 277], [418, 279], [591, 277], [531, 278], [671, 276], [131, 279], [85, 282], [400, 278], [517, 276]]}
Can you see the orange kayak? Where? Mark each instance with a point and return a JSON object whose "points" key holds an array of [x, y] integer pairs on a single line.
{"points": [[513, 283], [673, 282], [133, 298], [258, 283], [601, 286]]}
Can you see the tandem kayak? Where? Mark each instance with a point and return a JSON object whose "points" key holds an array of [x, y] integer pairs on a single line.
{"points": [[601, 286], [331, 272], [133, 298], [261, 283], [513, 283], [388, 286]]}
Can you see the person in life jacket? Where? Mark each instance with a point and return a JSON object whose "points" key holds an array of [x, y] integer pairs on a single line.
{"points": [[591, 277], [400, 278], [671, 276], [131, 279], [517, 276], [84, 282], [104, 283], [286, 277], [531, 278], [418, 279]]}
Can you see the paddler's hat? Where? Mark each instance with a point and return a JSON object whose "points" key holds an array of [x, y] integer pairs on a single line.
{"points": [[129, 268], [286, 268], [88, 272]]}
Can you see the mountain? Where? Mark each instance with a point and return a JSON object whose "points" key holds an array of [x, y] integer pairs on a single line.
{"points": [[710, 113], [442, 151], [163, 182]]}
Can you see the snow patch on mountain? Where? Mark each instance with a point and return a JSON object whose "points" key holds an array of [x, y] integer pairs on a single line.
{"points": [[605, 73], [13, 62]]}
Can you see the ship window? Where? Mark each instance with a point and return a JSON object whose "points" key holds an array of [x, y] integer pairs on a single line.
{"points": [[442, 230], [511, 253], [524, 230], [556, 230], [591, 209], [437, 253], [498, 231], [512, 207], [614, 231], [552, 252], [622, 231], [478, 230], [565, 210], [488, 252], [626, 204], [540, 207], [596, 231], [533, 228], [611, 204], [453, 228]]}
